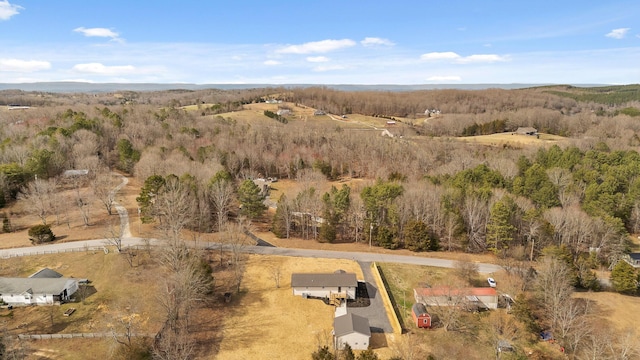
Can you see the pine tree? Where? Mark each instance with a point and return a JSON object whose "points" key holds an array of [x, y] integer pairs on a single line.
{"points": [[499, 228], [251, 199], [624, 278]]}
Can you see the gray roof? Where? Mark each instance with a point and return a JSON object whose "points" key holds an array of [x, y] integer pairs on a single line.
{"points": [[46, 273], [34, 285], [81, 172], [523, 130], [635, 256], [316, 280], [350, 323], [419, 309]]}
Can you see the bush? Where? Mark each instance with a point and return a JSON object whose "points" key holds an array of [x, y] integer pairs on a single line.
{"points": [[40, 234]]}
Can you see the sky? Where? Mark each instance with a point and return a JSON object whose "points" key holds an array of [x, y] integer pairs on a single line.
{"points": [[321, 42]]}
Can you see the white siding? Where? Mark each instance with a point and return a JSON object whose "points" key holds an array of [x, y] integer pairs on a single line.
{"points": [[356, 340], [324, 291]]}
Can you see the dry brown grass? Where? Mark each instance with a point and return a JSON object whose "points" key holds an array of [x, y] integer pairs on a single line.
{"points": [[269, 322], [71, 226], [621, 310], [512, 140]]}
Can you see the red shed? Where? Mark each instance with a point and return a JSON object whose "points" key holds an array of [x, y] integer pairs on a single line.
{"points": [[420, 315]]}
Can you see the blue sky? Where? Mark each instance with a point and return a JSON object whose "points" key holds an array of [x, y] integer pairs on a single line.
{"points": [[321, 42]]}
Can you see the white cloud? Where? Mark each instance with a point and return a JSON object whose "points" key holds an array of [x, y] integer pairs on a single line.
{"points": [[322, 46], [482, 58], [8, 10], [23, 65], [439, 78], [97, 32], [618, 33], [328, 68], [454, 57], [100, 69], [374, 41], [317, 59], [272, 62], [435, 56]]}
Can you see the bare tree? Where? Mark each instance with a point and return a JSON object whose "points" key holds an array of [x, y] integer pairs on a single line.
{"points": [[35, 198], [626, 345], [475, 212], [237, 240], [104, 186], [277, 275], [221, 194], [409, 347], [466, 269], [175, 207], [114, 235]]}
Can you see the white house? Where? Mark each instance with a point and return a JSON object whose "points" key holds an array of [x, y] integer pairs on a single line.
{"points": [[339, 284], [45, 287], [353, 330]]}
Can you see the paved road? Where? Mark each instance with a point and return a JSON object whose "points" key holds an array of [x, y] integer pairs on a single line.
{"points": [[128, 240], [264, 250]]}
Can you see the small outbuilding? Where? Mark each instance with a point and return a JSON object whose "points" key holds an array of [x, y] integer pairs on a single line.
{"points": [[420, 315], [527, 131], [353, 330]]}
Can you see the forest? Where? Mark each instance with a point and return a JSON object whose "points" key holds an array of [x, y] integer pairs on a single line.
{"points": [[422, 191]]}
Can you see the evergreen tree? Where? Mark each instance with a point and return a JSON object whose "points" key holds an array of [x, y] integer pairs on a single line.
{"points": [[323, 353], [379, 202], [347, 353], [148, 194], [367, 355], [500, 231], [127, 155], [251, 199], [624, 278], [336, 203], [279, 224], [417, 236]]}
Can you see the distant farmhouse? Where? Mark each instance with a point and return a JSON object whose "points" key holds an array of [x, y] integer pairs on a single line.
{"points": [[634, 260], [283, 112], [526, 131], [45, 287]]}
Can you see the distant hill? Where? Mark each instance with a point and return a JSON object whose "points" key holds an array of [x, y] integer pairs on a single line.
{"points": [[84, 87]]}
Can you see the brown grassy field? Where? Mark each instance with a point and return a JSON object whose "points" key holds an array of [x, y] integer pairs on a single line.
{"points": [[512, 140], [105, 300], [262, 321], [269, 322]]}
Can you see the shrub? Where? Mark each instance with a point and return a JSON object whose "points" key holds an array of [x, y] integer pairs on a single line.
{"points": [[40, 234]]}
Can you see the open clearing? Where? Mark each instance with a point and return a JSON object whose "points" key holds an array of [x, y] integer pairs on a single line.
{"points": [[262, 321], [270, 323], [512, 140]]}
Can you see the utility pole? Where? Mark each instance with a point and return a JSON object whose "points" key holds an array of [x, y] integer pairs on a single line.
{"points": [[370, 233]]}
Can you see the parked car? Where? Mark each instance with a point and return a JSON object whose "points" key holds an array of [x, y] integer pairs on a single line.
{"points": [[491, 282]]}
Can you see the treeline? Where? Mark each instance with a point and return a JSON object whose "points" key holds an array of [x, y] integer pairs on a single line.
{"points": [[608, 95], [493, 127], [413, 104], [276, 117]]}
